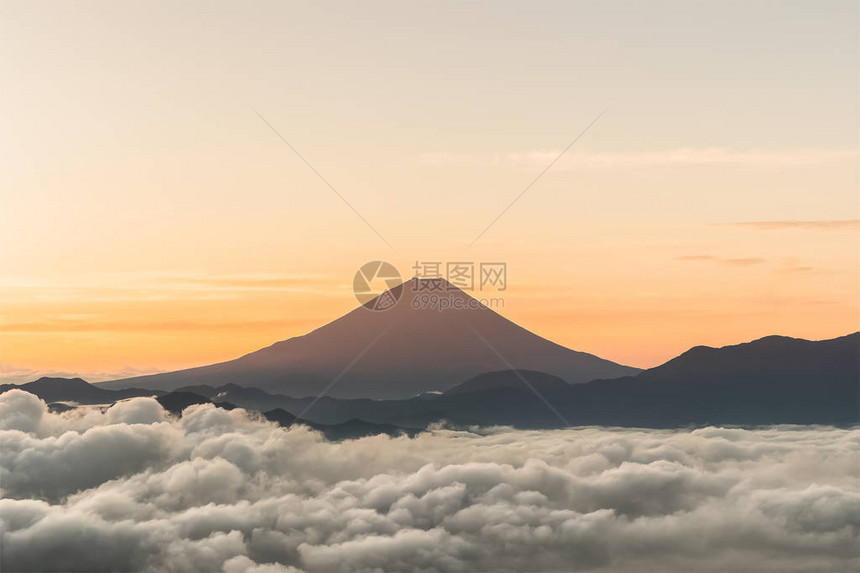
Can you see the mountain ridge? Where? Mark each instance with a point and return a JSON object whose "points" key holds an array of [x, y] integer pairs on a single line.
{"points": [[499, 379], [54, 389], [789, 381]]}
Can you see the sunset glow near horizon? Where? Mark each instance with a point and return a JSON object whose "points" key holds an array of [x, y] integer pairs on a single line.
{"points": [[151, 221]]}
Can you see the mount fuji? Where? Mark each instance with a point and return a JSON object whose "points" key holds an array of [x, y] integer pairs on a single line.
{"points": [[408, 349]]}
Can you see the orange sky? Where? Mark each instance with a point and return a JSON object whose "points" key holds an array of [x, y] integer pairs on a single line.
{"points": [[150, 220]]}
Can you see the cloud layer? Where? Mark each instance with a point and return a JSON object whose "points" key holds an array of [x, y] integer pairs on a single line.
{"points": [[12, 374], [133, 488]]}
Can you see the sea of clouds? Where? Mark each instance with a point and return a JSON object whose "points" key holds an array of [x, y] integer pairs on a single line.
{"points": [[136, 489]]}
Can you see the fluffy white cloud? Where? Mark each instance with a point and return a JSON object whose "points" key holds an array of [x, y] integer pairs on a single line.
{"points": [[133, 488], [21, 411]]}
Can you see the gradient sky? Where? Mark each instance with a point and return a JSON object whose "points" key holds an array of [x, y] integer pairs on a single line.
{"points": [[150, 220]]}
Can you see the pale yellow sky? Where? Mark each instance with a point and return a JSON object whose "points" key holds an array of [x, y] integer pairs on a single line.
{"points": [[150, 220]]}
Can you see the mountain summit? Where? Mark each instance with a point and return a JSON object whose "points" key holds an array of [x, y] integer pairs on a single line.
{"points": [[414, 346]]}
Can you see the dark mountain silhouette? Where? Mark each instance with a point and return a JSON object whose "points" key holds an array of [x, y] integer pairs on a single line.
{"points": [[509, 379], [777, 359], [202, 389], [59, 407], [280, 416], [355, 428], [773, 380], [56, 391], [253, 398], [396, 353], [348, 430], [76, 390], [768, 381], [176, 402]]}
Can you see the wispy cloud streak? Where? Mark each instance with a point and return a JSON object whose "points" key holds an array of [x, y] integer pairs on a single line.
{"points": [[824, 225], [735, 262], [538, 158]]}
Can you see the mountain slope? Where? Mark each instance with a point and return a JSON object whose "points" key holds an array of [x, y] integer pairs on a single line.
{"points": [[397, 353]]}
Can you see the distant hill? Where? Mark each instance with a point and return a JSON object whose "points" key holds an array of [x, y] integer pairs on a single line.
{"points": [[201, 389], [56, 391], [776, 359], [280, 416], [348, 430], [176, 402], [394, 354], [773, 380], [76, 390]]}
